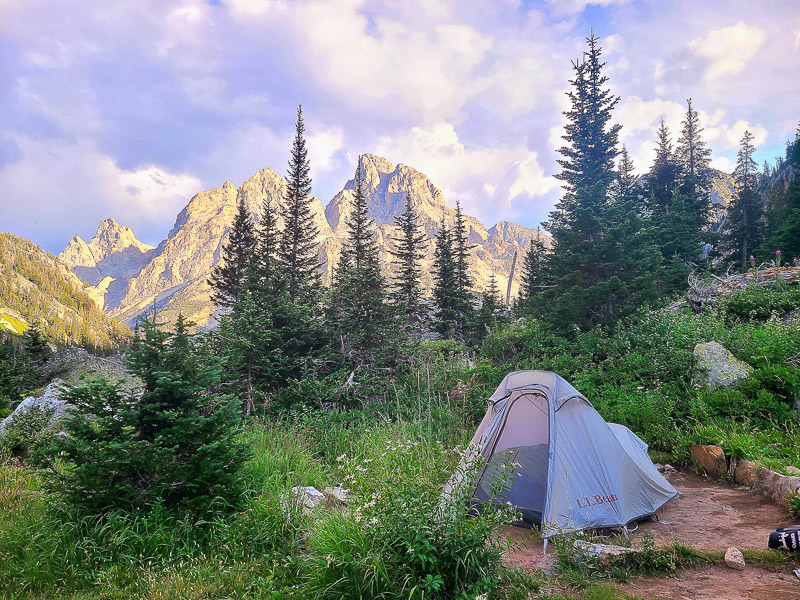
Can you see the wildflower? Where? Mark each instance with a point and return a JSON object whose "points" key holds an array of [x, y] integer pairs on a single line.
{"points": [[341, 457]]}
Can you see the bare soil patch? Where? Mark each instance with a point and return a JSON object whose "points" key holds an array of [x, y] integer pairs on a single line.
{"points": [[709, 516]]}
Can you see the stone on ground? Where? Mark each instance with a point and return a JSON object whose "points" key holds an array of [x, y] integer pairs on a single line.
{"points": [[604, 553], [711, 459], [734, 559], [746, 473], [775, 486], [47, 401], [307, 498], [718, 367]]}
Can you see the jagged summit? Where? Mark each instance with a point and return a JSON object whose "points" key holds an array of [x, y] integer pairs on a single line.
{"points": [[175, 274]]}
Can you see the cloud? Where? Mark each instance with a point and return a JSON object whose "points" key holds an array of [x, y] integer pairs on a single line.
{"points": [[488, 181], [60, 187], [571, 7], [730, 136], [729, 49], [724, 164]]}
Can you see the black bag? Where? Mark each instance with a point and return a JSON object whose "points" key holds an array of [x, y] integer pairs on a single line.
{"points": [[786, 538]]}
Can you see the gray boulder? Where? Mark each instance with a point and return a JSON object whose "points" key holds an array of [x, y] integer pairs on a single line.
{"points": [[718, 367], [48, 400]]}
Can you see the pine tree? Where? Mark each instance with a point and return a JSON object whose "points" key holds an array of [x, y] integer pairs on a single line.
{"points": [[694, 157], [744, 229], [407, 289], [445, 291], [580, 291], [227, 277], [460, 240], [176, 443], [533, 277], [490, 312], [268, 339], [786, 227], [298, 241], [357, 311]]}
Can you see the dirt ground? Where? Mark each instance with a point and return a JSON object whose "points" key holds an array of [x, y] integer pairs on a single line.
{"points": [[709, 516]]}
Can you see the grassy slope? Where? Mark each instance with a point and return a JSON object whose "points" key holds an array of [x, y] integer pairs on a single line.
{"points": [[641, 375]]}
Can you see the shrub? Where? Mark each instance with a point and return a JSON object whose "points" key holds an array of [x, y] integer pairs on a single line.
{"points": [[794, 505], [176, 442], [27, 433], [757, 303]]}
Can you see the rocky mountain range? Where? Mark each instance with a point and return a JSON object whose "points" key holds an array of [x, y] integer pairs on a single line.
{"points": [[128, 277]]}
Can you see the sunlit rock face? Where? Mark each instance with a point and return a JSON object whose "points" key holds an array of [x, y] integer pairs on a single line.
{"points": [[129, 277]]}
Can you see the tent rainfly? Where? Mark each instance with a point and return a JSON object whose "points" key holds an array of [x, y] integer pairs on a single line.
{"points": [[574, 471]]}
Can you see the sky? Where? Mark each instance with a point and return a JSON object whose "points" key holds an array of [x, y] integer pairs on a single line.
{"points": [[126, 109]]}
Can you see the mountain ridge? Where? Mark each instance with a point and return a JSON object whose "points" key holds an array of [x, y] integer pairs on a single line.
{"points": [[173, 275]]}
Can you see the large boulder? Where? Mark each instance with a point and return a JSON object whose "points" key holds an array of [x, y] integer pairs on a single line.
{"points": [[47, 401], [776, 486], [711, 459], [718, 367], [746, 473]]}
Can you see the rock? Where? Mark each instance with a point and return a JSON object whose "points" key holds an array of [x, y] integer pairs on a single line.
{"points": [[659, 467], [711, 459], [775, 486], [668, 468], [603, 553], [791, 470], [718, 367], [338, 493], [745, 473], [128, 276], [307, 498], [734, 559], [48, 400]]}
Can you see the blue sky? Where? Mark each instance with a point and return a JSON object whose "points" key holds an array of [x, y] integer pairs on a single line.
{"points": [[128, 108]]}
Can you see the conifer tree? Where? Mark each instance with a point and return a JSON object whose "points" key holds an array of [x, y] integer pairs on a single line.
{"points": [[786, 224], [176, 443], [407, 289], [445, 291], [580, 288], [694, 158], [460, 240], [533, 277], [744, 229], [358, 312], [490, 312], [298, 241], [227, 277]]}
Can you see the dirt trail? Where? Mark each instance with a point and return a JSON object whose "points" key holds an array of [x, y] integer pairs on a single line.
{"points": [[709, 516]]}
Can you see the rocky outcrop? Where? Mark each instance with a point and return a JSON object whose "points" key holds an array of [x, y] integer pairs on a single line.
{"points": [[48, 402], [776, 486], [745, 473], [131, 277], [711, 459], [718, 367]]}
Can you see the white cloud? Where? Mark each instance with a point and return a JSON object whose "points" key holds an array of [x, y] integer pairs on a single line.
{"points": [[486, 180], [323, 145], [730, 136], [636, 115], [729, 49], [724, 164], [65, 184], [572, 7]]}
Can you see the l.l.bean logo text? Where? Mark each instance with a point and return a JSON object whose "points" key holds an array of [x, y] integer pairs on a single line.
{"points": [[596, 500]]}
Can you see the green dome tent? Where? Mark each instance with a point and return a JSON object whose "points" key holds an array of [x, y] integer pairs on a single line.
{"points": [[573, 470]]}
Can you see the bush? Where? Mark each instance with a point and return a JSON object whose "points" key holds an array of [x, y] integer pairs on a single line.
{"points": [[176, 442], [794, 505], [27, 433], [757, 303]]}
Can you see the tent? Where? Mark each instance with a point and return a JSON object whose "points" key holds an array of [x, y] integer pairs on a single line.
{"points": [[573, 470]]}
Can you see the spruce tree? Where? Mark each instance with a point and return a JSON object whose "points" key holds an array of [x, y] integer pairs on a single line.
{"points": [[533, 278], [357, 311], [744, 214], [227, 277], [460, 239], [445, 290], [490, 312], [407, 289], [298, 241], [580, 289], [786, 223], [268, 339], [694, 158], [176, 443]]}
